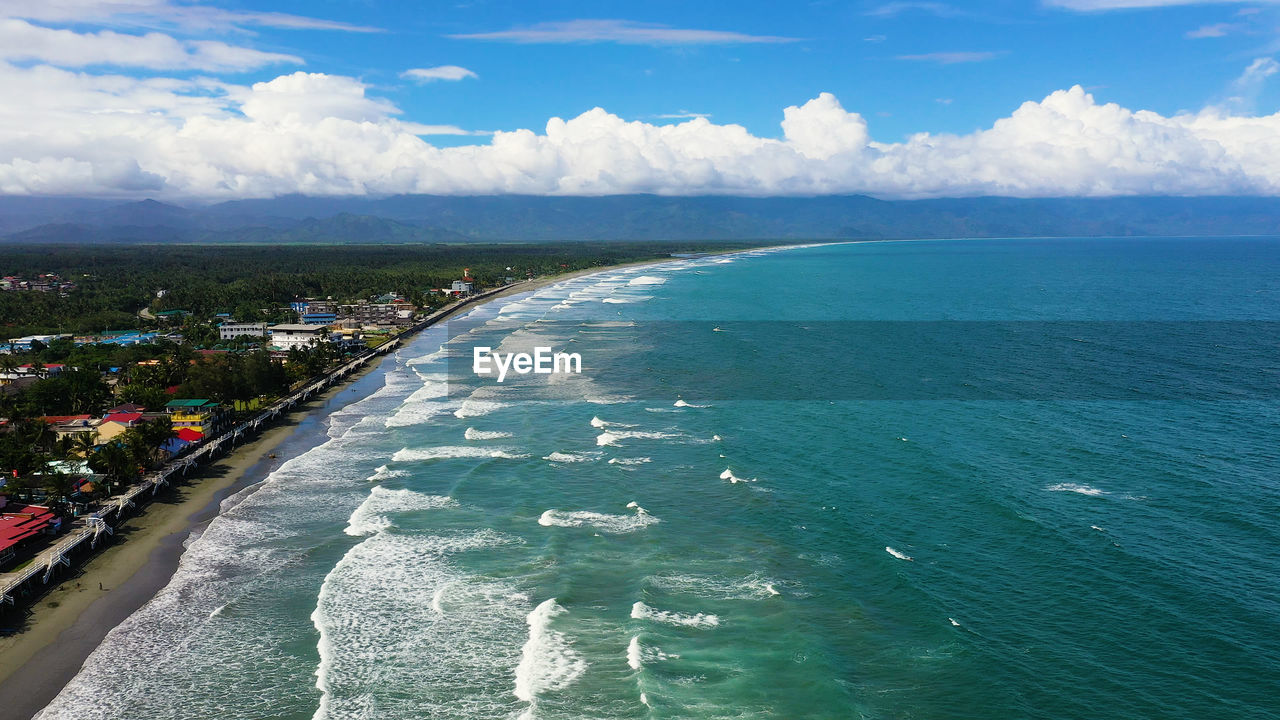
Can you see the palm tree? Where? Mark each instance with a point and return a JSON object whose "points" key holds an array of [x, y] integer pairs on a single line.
{"points": [[59, 486], [83, 444], [114, 462]]}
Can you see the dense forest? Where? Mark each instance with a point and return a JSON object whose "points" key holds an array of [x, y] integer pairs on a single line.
{"points": [[115, 282]]}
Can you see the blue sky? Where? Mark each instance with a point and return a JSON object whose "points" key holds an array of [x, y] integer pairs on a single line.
{"points": [[1018, 50], [451, 74]]}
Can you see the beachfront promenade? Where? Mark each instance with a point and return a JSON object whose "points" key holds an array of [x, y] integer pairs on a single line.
{"points": [[90, 528]]}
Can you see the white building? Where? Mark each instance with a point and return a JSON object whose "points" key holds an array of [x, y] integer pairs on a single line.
{"points": [[231, 330], [287, 337]]}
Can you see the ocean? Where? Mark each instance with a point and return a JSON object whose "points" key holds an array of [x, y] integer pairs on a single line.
{"points": [[929, 480]]}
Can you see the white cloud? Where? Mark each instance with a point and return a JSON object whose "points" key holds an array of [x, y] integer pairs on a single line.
{"points": [[894, 9], [78, 133], [952, 58], [420, 129], [20, 40], [1212, 31], [1103, 5], [153, 13], [441, 72], [1244, 90], [682, 115], [624, 32]]}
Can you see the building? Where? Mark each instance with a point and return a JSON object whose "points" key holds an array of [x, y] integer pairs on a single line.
{"points": [[71, 425], [29, 371], [126, 408], [20, 523], [233, 330], [287, 336], [319, 318], [312, 305], [367, 313], [202, 416], [116, 423], [24, 344]]}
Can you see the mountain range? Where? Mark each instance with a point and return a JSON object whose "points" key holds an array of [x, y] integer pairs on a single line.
{"points": [[517, 218]]}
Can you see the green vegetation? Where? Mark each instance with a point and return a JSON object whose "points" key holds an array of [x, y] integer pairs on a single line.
{"points": [[252, 282]]}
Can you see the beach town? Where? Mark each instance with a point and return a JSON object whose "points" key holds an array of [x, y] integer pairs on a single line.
{"points": [[123, 433]]}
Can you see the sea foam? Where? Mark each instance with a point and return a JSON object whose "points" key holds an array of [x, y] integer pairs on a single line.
{"points": [[572, 457], [898, 554], [615, 524], [640, 611], [456, 451], [548, 661], [1076, 488], [373, 514], [474, 434], [611, 437]]}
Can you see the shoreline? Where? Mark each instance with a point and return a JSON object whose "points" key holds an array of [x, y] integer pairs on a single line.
{"points": [[66, 624], [69, 622]]}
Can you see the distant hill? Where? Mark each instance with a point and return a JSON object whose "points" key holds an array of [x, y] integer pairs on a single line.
{"points": [[429, 218]]}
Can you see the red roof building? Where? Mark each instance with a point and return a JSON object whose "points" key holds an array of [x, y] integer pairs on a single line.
{"points": [[63, 419], [126, 419], [19, 523]]}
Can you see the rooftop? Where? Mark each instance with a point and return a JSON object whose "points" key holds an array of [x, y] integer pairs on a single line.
{"points": [[189, 403], [19, 522]]}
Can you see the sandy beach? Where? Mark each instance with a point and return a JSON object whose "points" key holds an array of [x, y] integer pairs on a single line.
{"points": [[67, 624]]}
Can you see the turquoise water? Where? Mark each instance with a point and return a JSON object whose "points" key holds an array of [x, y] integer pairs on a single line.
{"points": [[795, 484]]}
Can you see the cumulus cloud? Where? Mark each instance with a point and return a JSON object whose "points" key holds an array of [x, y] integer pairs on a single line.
{"points": [[20, 40], [440, 72], [623, 32], [312, 133]]}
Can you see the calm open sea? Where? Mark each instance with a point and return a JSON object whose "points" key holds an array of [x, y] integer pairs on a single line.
{"points": [[964, 479]]}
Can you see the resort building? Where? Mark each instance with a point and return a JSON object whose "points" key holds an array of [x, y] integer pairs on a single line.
{"points": [[233, 330], [367, 313], [287, 337], [202, 416]]}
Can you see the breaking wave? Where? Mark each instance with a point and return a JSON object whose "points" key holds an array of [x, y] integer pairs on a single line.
{"points": [[373, 514], [616, 524], [640, 611], [456, 451], [548, 661]]}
